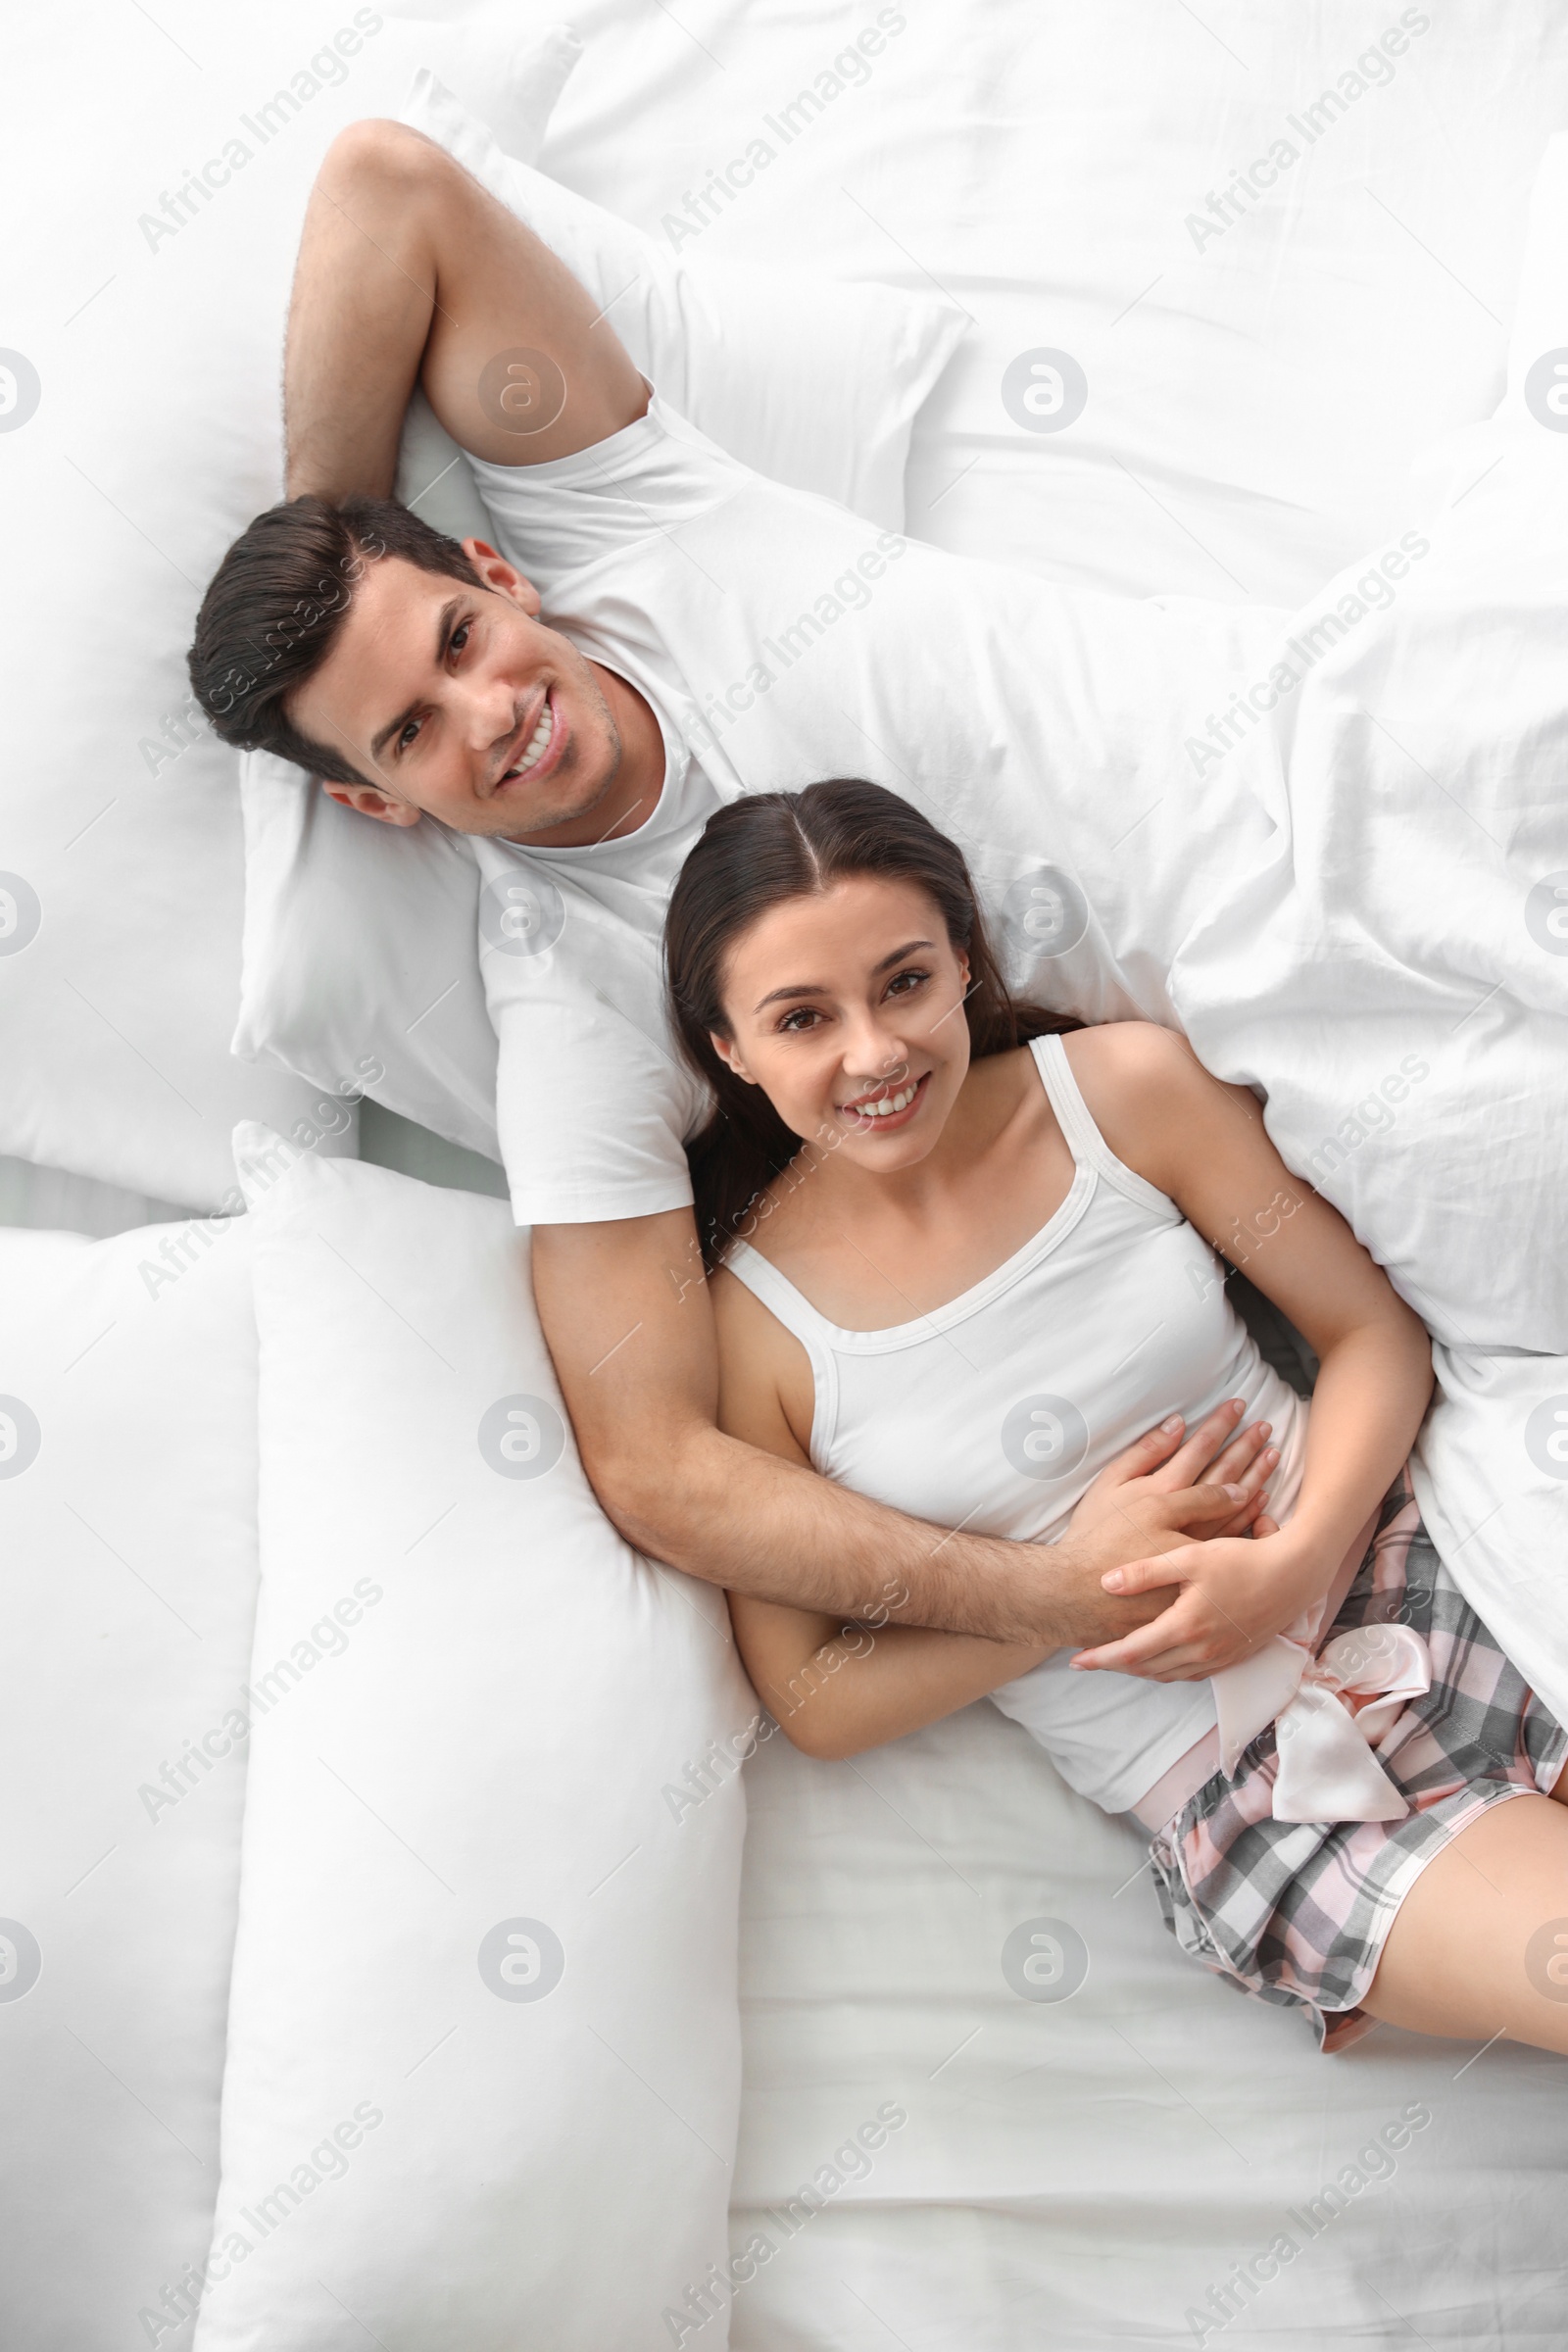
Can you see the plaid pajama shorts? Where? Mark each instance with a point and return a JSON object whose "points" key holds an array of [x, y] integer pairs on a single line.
{"points": [[1297, 1912]]}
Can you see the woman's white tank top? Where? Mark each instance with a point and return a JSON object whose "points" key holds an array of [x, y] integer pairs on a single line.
{"points": [[994, 1413]]}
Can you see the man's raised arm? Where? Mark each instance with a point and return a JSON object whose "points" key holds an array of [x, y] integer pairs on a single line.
{"points": [[627, 1316], [408, 271]]}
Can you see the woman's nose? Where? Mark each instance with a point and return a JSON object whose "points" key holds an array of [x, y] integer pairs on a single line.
{"points": [[873, 1048]]}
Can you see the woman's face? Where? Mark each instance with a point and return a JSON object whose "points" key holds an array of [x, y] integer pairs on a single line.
{"points": [[847, 1009]]}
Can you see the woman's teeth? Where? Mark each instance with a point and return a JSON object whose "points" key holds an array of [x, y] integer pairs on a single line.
{"points": [[535, 746], [889, 1104]]}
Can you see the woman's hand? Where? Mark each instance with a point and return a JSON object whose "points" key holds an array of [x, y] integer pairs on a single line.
{"points": [[1235, 1595], [1149, 1500]]}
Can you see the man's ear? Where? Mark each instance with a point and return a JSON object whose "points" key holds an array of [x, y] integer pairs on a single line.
{"points": [[367, 802], [497, 573], [729, 1055]]}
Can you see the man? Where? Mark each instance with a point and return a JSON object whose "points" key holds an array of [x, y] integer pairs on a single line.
{"points": [[419, 681]]}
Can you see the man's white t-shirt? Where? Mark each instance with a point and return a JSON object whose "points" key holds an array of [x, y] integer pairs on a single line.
{"points": [[781, 640]]}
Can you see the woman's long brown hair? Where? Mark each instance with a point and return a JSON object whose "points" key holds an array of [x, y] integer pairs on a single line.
{"points": [[752, 856]]}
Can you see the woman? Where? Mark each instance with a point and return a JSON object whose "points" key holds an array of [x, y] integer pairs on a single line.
{"points": [[958, 1261]]}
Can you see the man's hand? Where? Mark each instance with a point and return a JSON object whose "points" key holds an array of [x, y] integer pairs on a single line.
{"points": [[1149, 1502], [627, 1311]]}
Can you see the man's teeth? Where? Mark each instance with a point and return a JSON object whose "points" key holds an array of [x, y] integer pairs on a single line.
{"points": [[534, 748], [887, 1105]]}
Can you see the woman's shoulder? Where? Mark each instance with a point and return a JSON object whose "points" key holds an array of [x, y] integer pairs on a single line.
{"points": [[1138, 1062], [1130, 1053], [1148, 1095]]}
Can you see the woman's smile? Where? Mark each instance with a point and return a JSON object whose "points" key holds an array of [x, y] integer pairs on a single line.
{"points": [[880, 1114]]}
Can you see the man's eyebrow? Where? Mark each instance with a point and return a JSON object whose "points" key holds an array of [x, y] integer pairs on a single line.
{"points": [[815, 988], [395, 726]]}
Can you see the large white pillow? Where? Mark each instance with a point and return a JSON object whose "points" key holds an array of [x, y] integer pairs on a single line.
{"points": [[1490, 1474], [351, 939], [128, 1533], [482, 2079], [147, 310]]}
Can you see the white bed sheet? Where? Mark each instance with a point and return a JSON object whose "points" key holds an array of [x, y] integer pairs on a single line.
{"points": [[1084, 2173]]}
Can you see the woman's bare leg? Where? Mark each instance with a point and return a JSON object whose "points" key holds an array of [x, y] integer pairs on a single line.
{"points": [[1480, 1947]]}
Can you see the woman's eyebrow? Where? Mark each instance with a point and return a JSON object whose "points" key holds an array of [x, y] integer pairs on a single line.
{"points": [[899, 954], [818, 988]]}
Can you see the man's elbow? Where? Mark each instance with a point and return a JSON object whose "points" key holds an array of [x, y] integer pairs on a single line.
{"points": [[651, 1495]]}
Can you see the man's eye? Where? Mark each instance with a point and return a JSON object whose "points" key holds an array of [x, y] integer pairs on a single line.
{"points": [[408, 735], [459, 637]]}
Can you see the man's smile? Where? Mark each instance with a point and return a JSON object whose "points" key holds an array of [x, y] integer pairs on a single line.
{"points": [[536, 746]]}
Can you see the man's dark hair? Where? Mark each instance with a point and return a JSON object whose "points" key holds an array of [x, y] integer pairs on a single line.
{"points": [[274, 608]]}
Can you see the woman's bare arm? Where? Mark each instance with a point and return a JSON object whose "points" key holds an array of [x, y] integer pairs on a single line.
{"points": [[1205, 1145], [835, 1688], [832, 1687]]}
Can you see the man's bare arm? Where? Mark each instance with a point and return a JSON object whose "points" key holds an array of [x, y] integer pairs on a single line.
{"points": [[409, 272], [626, 1313]]}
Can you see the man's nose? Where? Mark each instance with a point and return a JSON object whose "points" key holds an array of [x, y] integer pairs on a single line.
{"points": [[490, 713]]}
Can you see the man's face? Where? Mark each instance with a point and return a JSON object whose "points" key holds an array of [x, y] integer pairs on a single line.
{"points": [[461, 704]]}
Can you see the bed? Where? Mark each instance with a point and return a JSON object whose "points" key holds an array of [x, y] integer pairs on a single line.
{"points": [[793, 2091]]}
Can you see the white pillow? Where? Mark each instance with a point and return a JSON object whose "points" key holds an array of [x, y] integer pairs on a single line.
{"points": [[1490, 1474], [354, 933], [814, 384], [119, 941], [482, 2078], [127, 1529]]}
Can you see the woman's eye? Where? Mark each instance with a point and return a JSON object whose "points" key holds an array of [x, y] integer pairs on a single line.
{"points": [[793, 1023], [902, 982]]}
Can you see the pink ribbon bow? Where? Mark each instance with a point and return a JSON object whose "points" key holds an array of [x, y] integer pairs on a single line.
{"points": [[1327, 1770]]}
